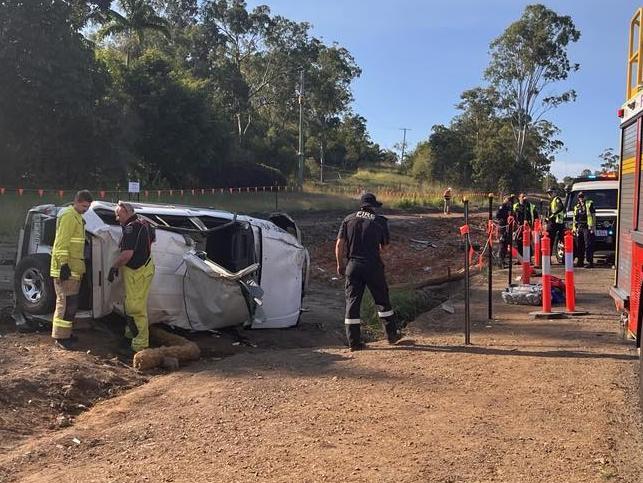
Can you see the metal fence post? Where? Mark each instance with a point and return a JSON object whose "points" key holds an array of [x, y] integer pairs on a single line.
{"points": [[467, 318], [490, 257]]}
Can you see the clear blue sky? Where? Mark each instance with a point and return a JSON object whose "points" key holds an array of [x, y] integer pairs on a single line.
{"points": [[417, 56]]}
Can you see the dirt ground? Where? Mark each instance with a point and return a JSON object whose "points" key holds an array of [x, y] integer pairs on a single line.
{"points": [[529, 401], [410, 260]]}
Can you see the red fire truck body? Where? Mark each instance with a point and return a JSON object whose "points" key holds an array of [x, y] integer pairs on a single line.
{"points": [[626, 291]]}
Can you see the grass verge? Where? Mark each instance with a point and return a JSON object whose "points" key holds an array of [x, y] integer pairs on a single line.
{"points": [[408, 305]]}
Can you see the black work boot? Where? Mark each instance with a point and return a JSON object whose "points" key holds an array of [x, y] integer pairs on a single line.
{"points": [[393, 331], [65, 344], [354, 336]]}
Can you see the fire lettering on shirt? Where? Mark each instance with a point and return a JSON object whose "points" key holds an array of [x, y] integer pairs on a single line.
{"points": [[366, 215]]}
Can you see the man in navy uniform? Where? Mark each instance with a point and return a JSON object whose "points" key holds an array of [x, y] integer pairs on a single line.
{"points": [[362, 236]]}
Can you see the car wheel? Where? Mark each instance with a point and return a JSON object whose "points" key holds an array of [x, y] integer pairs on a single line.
{"points": [[34, 288]]}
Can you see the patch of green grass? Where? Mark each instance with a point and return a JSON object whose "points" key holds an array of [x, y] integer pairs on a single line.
{"points": [[382, 178], [408, 305]]}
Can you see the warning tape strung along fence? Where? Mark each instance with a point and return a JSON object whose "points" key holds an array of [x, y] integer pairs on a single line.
{"points": [[492, 231], [150, 193], [102, 194]]}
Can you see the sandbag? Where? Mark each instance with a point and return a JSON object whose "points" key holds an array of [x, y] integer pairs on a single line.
{"points": [[531, 294], [523, 295]]}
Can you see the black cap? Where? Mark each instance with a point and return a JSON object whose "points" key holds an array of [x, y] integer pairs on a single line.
{"points": [[369, 200]]}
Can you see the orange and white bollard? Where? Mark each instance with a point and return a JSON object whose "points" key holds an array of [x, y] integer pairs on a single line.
{"points": [[546, 312], [546, 274], [526, 253], [570, 290], [537, 246]]}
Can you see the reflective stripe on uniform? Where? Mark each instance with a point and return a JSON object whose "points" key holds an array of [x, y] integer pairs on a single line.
{"points": [[388, 313], [62, 323], [352, 321]]}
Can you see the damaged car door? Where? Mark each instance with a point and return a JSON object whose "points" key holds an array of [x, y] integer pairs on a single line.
{"points": [[214, 283]]}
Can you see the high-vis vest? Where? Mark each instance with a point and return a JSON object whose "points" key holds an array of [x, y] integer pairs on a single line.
{"points": [[555, 205], [69, 244], [591, 223]]}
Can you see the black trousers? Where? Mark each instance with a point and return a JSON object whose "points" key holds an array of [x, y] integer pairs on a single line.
{"points": [[359, 276], [556, 233], [505, 236], [518, 243], [584, 245]]}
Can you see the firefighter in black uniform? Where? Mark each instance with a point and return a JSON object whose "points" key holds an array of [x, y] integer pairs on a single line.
{"points": [[502, 217], [361, 238]]}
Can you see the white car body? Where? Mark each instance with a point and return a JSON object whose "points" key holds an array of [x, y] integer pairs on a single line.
{"points": [[262, 286]]}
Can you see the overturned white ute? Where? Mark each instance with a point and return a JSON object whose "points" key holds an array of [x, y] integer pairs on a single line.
{"points": [[214, 269]]}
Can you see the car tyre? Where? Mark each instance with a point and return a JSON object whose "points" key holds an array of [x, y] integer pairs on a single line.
{"points": [[34, 288]]}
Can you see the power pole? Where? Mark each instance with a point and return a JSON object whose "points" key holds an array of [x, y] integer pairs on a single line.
{"points": [[301, 131], [404, 129]]}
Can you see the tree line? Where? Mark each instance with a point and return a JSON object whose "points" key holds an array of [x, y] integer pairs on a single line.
{"points": [[176, 93], [501, 138]]}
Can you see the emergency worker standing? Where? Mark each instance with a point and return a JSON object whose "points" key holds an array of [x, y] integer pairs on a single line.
{"points": [[361, 238], [583, 227], [556, 219], [68, 266], [137, 267], [524, 211], [502, 217], [447, 201]]}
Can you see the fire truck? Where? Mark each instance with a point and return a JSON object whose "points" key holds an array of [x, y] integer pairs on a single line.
{"points": [[626, 291]]}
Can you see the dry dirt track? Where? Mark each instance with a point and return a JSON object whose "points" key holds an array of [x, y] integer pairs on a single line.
{"points": [[530, 401]]}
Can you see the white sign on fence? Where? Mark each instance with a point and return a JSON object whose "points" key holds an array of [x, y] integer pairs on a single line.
{"points": [[134, 187]]}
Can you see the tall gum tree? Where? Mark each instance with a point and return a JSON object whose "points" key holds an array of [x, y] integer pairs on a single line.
{"points": [[527, 60]]}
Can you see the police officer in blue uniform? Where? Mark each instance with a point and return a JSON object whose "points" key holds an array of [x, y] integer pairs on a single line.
{"points": [[362, 236]]}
